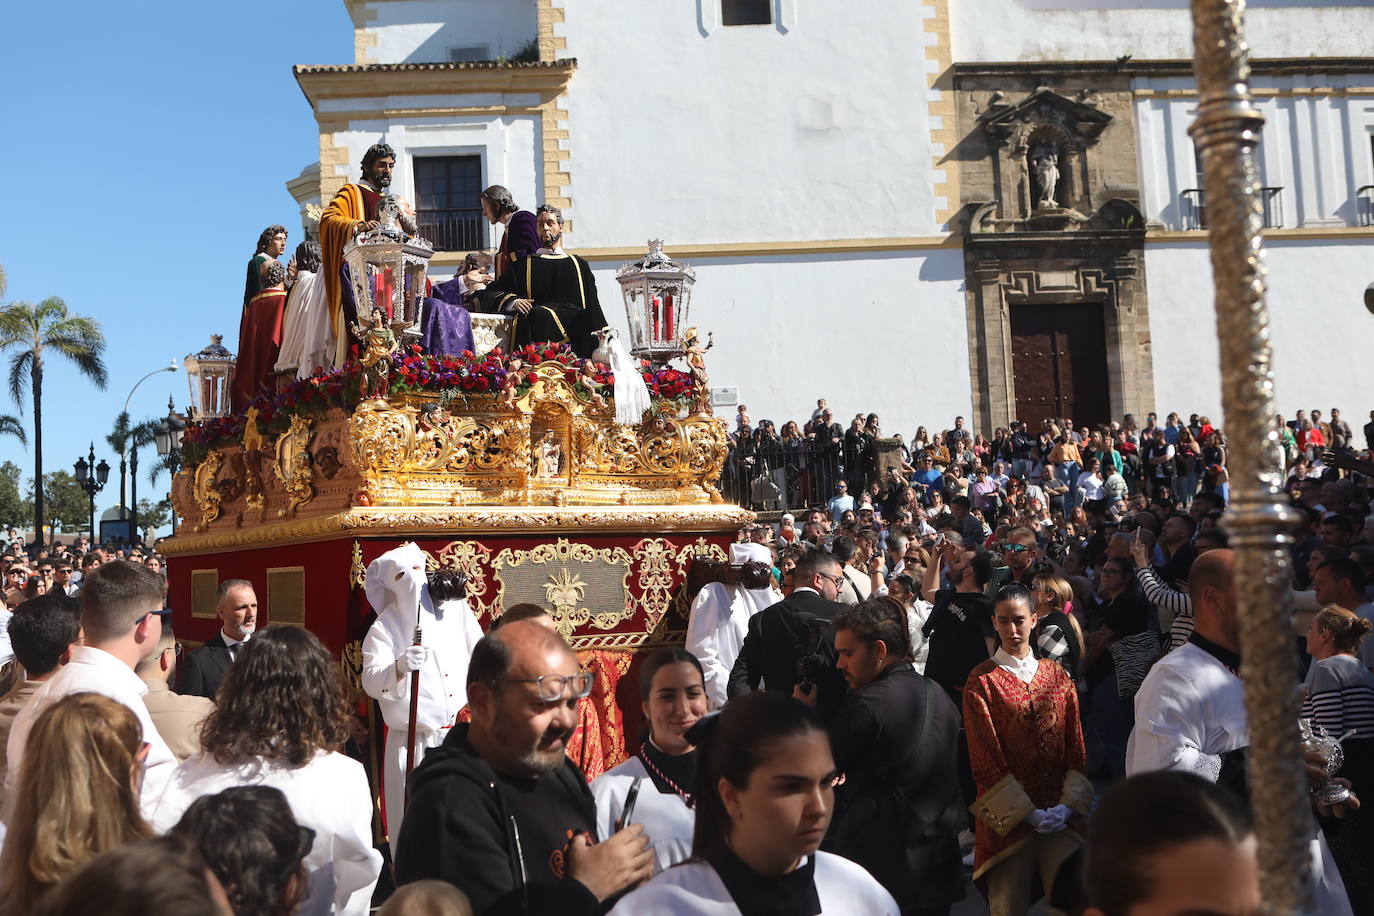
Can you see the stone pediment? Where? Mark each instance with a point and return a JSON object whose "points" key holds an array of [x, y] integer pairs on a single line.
{"points": [[1079, 122]]}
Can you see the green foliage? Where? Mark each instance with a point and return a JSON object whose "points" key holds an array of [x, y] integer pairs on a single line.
{"points": [[154, 515], [15, 509], [66, 505]]}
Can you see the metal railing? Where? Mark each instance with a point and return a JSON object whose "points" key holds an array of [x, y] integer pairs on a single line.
{"points": [[1364, 205], [778, 478], [456, 229], [1194, 209]]}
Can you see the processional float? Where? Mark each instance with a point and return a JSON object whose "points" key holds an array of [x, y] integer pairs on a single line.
{"points": [[1261, 525], [510, 467]]}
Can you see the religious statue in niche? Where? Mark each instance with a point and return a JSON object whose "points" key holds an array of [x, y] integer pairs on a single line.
{"points": [[1045, 167], [379, 342], [548, 456]]}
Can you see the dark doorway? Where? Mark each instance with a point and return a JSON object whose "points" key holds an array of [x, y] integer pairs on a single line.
{"points": [[1059, 363]]}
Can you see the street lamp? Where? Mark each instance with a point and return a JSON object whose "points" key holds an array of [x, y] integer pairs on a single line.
{"points": [[92, 477], [167, 437], [133, 449]]}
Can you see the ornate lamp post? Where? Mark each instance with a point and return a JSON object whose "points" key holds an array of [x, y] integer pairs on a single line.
{"points": [[92, 478], [658, 294], [209, 374], [167, 437], [1260, 523]]}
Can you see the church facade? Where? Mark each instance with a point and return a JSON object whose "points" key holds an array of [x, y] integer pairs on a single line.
{"points": [[987, 208]]}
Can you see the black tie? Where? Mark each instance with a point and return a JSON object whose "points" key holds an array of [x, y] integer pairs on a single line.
{"points": [[233, 652]]}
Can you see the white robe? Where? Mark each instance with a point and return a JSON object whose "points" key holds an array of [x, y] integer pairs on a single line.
{"points": [[694, 889], [1189, 711], [328, 794], [450, 637], [667, 820], [307, 341], [716, 629]]}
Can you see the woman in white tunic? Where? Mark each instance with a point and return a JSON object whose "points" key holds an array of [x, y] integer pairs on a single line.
{"points": [[281, 710], [674, 697], [766, 794], [307, 333]]}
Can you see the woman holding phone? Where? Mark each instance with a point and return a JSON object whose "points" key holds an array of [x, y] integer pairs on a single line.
{"points": [[659, 776]]}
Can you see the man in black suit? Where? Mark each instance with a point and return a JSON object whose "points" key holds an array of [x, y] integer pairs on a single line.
{"points": [[796, 627], [237, 610]]}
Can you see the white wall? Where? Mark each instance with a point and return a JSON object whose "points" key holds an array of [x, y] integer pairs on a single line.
{"points": [[814, 129], [423, 31], [882, 332], [1010, 30], [1318, 324], [1315, 147]]}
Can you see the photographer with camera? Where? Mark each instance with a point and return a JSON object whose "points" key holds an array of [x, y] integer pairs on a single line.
{"points": [[790, 645], [896, 739]]}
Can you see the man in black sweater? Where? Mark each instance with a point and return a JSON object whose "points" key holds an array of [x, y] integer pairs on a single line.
{"points": [[498, 810]]}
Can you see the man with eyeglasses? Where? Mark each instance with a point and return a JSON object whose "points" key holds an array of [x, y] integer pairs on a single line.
{"points": [[16, 577], [177, 717], [790, 645], [498, 809], [121, 621]]}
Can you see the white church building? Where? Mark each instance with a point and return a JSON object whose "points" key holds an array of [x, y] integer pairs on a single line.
{"points": [[924, 209]]}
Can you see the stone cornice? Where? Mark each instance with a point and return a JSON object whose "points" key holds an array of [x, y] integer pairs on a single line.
{"points": [[1286, 66], [368, 80]]}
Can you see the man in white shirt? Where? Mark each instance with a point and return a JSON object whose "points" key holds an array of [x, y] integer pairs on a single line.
{"points": [[121, 608], [399, 591]]}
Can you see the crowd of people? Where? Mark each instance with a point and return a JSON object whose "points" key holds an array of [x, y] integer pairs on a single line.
{"points": [[996, 677]]}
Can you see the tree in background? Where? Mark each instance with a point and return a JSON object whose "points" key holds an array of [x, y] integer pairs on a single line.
{"points": [[29, 332], [65, 503], [152, 516], [15, 509]]}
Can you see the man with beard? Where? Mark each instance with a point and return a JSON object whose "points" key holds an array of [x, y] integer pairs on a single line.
{"points": [[552, 295], [397, 589], [353, 210], [260, 326], [498, 809], [521, 238]]}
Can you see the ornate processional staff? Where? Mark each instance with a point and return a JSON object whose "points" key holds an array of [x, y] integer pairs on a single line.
{"points": [[1261, 525]]}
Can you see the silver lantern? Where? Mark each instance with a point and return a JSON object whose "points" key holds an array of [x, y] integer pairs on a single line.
{"points": [[210, 373], [387, 268], [658, 292]]}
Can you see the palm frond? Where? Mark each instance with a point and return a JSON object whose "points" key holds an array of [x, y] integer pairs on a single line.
{"points": [[166, 463], [10, 426], [21, 366], [118, 437]]}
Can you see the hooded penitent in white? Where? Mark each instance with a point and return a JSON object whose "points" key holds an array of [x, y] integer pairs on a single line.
{"points": [[396, 586], [720, 620]]}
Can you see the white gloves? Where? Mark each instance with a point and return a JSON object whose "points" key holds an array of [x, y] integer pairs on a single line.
{"points": [[413, 659], [1049, 820]]}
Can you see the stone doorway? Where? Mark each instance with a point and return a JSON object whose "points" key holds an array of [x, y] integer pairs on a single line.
{"points": [[1059, 363]]}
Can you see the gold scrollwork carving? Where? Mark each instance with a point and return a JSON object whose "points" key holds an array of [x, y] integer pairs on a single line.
{"points": [[205, 492], [293, 466], [357, 572], [565, 589], [351, 667]]}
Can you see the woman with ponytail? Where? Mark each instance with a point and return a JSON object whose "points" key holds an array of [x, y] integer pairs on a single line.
{"points": [[764, 794]]}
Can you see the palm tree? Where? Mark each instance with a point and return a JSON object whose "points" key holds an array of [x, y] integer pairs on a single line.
{"points": [[31, 331]]}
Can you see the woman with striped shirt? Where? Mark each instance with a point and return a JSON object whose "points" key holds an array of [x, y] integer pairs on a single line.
{"points": [[1340, 697]]}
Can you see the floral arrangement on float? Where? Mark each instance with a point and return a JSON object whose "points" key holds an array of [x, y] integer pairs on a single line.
{"points": [[451, 378]]}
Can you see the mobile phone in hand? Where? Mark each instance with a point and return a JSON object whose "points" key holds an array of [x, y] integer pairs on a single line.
{"points": [[630, 798]]}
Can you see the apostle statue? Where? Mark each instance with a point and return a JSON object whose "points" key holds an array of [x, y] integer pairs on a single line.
{"points": [[379, 342], [307, 336], [260, 326], [551, 295], [521, 238]]}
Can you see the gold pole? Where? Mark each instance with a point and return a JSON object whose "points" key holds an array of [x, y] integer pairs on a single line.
{"points": [[1258, 518]]}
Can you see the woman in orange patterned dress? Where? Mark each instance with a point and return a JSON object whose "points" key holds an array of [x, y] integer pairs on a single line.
{"points": [[1026, 749]]}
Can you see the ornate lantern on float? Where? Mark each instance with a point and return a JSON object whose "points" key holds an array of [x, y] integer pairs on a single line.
{"points": [[658, 292], [210, 373], [387, 267]]}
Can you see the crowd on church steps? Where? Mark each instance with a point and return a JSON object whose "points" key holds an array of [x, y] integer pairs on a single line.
{"points": [[1005, 657]]}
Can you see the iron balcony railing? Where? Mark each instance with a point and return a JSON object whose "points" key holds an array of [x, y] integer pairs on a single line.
{"points": [[456, 229], [1194, 208], [1364, 205]]}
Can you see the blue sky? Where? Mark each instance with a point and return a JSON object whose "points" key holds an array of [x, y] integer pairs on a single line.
{"points": [[148, 145]]}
